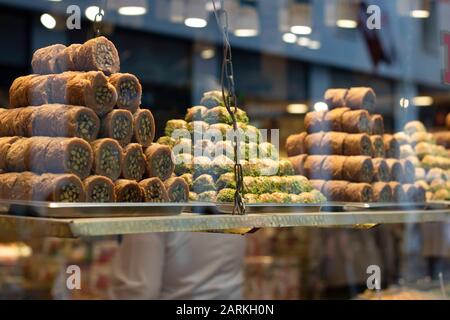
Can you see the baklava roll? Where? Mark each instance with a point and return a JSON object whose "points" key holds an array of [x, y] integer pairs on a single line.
{"points": [[295, 144], [91, 89], [381, 170], [317, 184], [333, 143], [410, 191], [59, 188], [357, 145], [360, 98], [18, 92], [335, 98], [395, 169], [97, 54], [160, 161], [402, 138], [108, 158], [15, 122], [36, 155], [154, 190], [177, 189], [376, 124], [44, 59], [129, 91], [298, 163], [359, 192], [65, 59], [312, 166], [332, 168], [358, 169], [99, 189], [23, 186], [314, 121], [5, 144], [382, 192], [128, 191], [66, 121], [391, 146], [134, 163], [335, 190], [356, 121], [118, 125], [398, 194], [195, 113], [313, 143], [7, 182], [332, 120], [144, 127], [420, 194], [31, 90], [377, 146], [16, 157], [409, 171]]}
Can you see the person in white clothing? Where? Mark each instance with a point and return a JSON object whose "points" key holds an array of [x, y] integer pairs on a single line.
{"points": [[179, 266]]}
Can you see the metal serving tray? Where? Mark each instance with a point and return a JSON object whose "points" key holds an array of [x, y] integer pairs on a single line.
{"points": [[227, 208], [89, 210]]}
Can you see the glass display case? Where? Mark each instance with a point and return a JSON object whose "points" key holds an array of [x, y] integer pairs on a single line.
{"points": [[208, 149]]}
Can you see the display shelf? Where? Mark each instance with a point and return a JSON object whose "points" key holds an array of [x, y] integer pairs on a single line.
{"points": [[23, 227]]}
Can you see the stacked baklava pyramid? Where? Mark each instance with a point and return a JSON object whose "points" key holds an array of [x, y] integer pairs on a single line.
{"points": [[204, 158], [74, 131], [347, 155]]}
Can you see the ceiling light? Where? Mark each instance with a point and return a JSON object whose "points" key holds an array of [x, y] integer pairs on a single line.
{"points": [[289, 37], [423, 101], [305, 30], [347, 23], [314, 45], [195, 22], [320, 106], [92, 11], [245, 32], [420, 14], [404, 103], [208, 54], [48, 21], [297, 108], [304, 41], [132, 11]]}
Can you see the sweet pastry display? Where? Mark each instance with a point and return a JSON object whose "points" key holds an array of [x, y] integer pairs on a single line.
{"points": [[75, 131], [347, 154], [204, 159]]}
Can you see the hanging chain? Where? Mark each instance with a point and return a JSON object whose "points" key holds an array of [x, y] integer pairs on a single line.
{"points": [[98, 19], [230, 101]]}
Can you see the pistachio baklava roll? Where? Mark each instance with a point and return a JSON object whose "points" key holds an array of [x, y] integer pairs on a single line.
{"points": [[409, 171], [410, 192], [317, 184], [333, 143], [195, 113], [23, 186], [357, 145], [117, 125], [332, 168], [108, 158], [314, 121], [382, 192], [128, 191], [313, 166], [420, 194], [377, 146], [59, 188], [377, 124], [359, 192], [358, 169], [332, 120], [99, 189], [335, 98], [5, 144], [44, 59], [295, 144], [65, 120], [91, 89], [398, 194], [14, 122], [356, 121], [65, 59], [7, 182], [395, 169], [381, 170], [154, 190], [134, 163], [335, 190], [391, 146], [97, 54], [160, 161], [298, 162], [30, 90], [129, 91], [360, 98], [217, 114], [16, 157], [313, 143], [144, 127], [177, 189]]}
